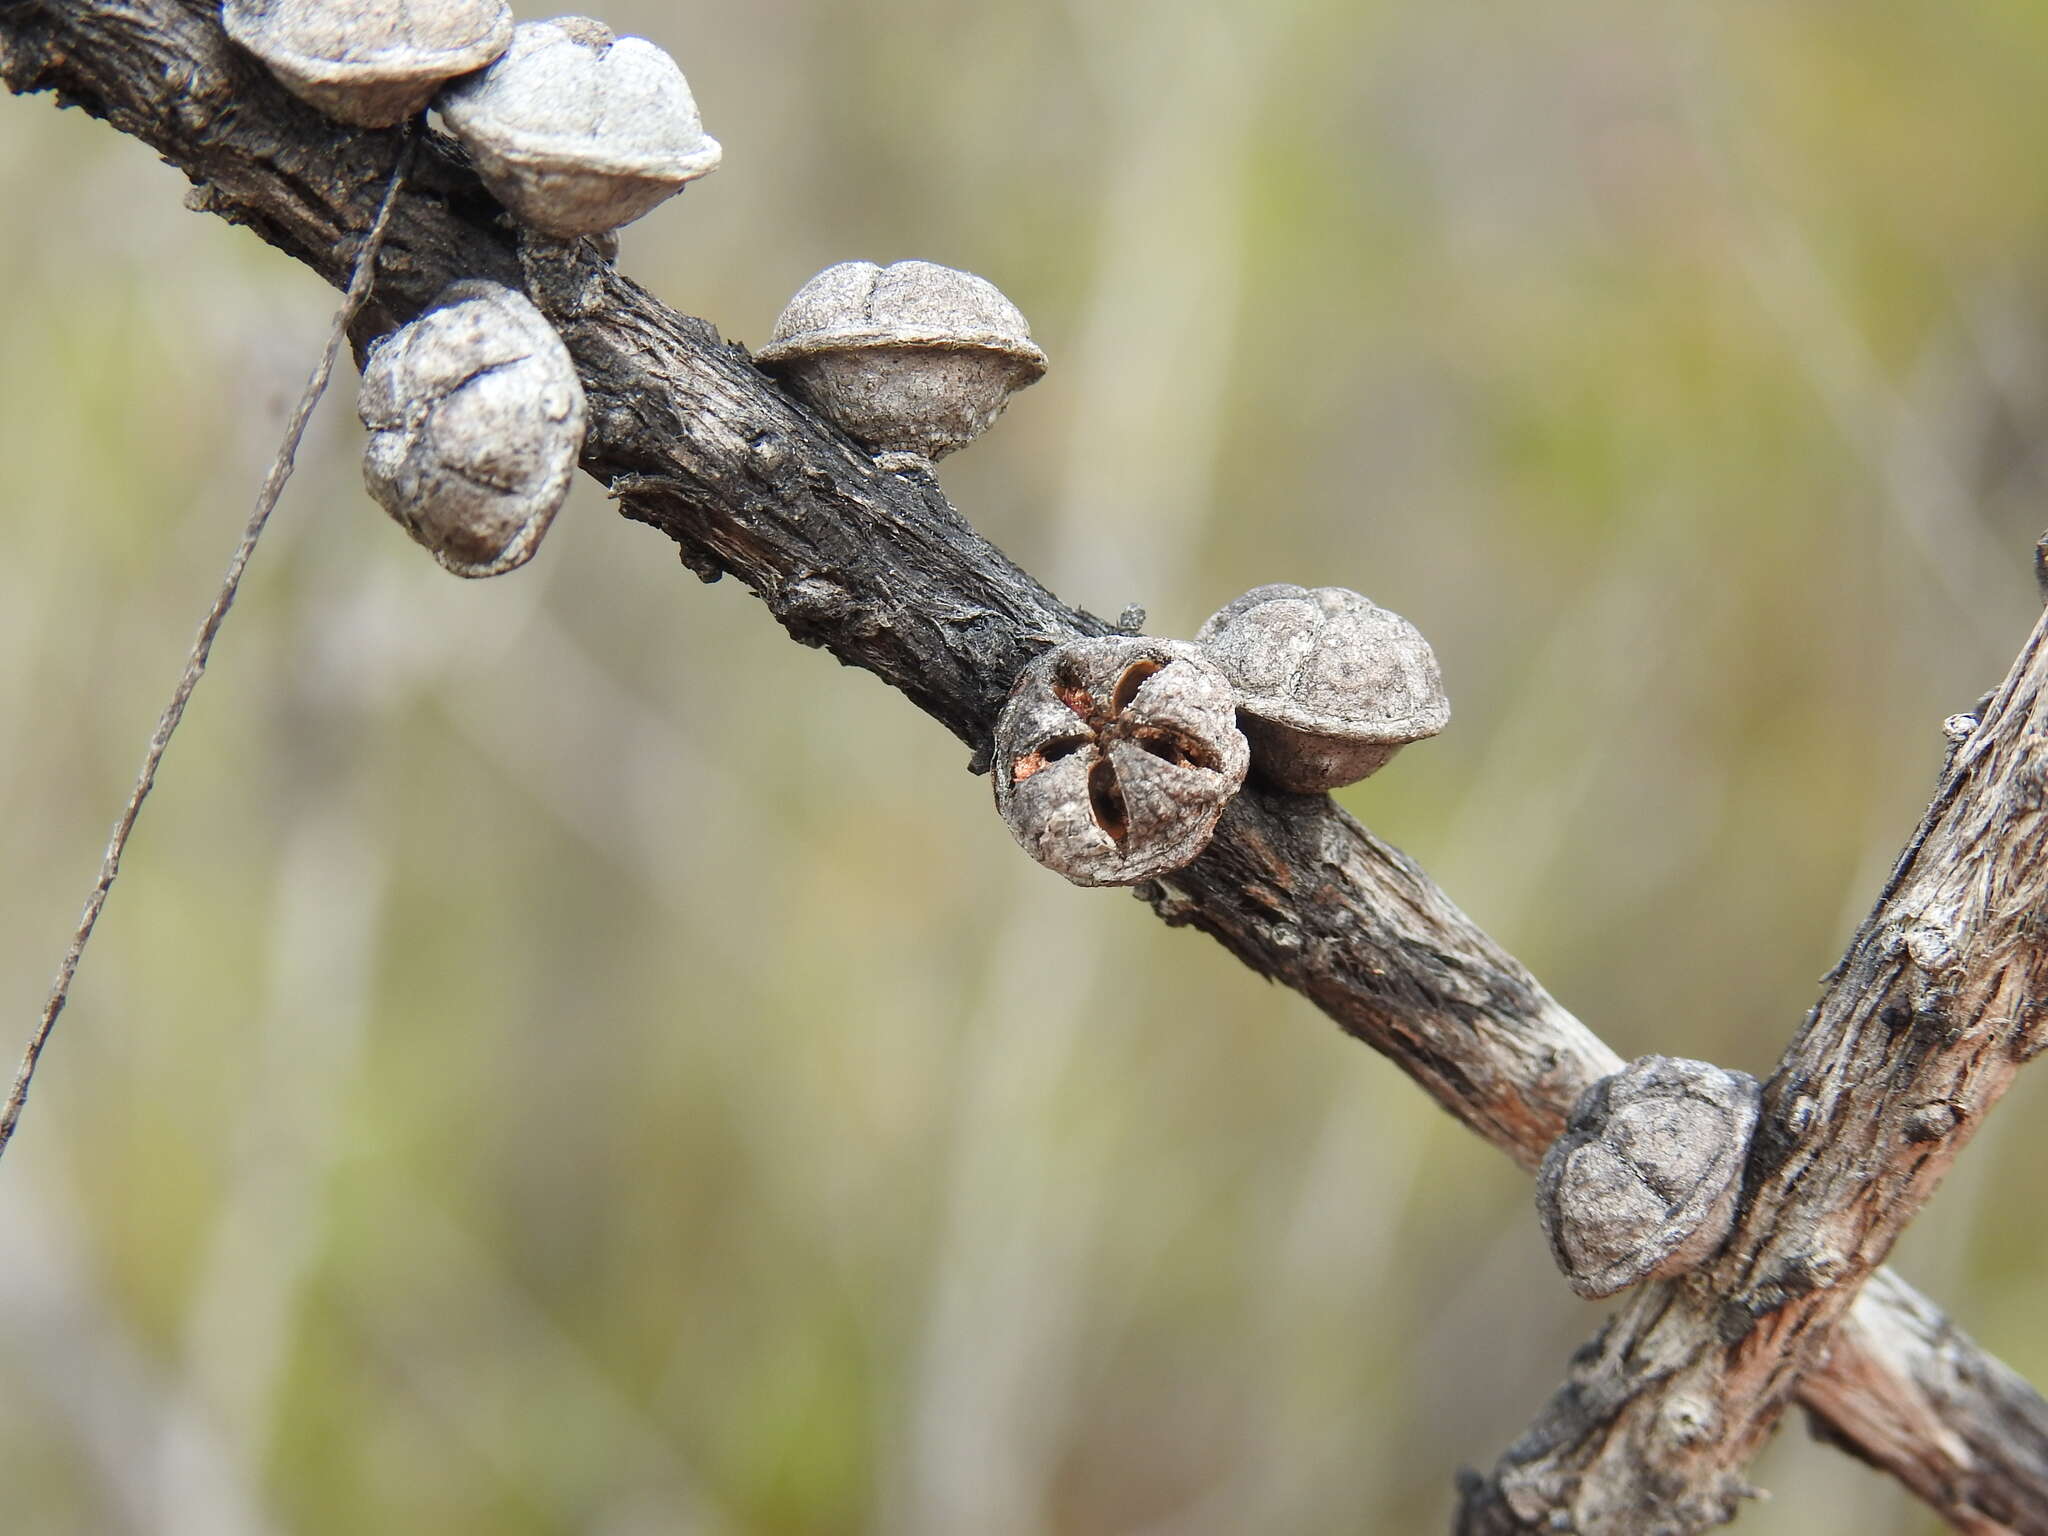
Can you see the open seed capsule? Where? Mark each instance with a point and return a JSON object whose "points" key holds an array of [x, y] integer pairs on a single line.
{"points": [[1114, 758]]}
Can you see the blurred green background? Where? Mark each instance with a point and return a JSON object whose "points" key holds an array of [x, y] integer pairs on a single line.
{"points": [[565, 1059]]}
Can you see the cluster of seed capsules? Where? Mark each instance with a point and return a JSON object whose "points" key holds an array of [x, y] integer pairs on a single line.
{"points": [[475, 410], [1114, 757]]}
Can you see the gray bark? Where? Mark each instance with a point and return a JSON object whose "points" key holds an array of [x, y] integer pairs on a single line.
{"points": [[879, 569], [1941, 998]]}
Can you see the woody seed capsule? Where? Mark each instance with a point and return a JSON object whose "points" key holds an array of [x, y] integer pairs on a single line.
{"points": [[369, 62], [578, 131], [476, 421], [912, 358], [1643, 1181], [1330, 685], [1114, 758]]}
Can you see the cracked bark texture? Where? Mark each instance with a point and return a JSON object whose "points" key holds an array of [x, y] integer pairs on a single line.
{"points": [[879, 569], [1943, 995]]}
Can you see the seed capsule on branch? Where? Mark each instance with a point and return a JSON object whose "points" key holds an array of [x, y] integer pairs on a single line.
{"points": [[476, 421], [913, 358], [1114, 758], [1330, 685], [578, 131], [369, 62], [1643, 1182]]}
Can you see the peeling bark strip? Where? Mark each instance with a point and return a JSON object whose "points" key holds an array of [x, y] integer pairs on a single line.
{"points": [[880, 570], [1922, 1027]]}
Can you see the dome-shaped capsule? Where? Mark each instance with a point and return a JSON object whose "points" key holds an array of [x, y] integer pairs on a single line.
{"points": [[369, 62], [1330, 685], [1643, 1181], [578, 131], [476, 421], [910, 358]]}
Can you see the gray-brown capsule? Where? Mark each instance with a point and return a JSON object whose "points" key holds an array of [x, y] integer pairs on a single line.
{"points": [[1330, 685], [1114, 758], [369, 62], [910, 358], [476, 421], [1644, 1179], [578, 131]]}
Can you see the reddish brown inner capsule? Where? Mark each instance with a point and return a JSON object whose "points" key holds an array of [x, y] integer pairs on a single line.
{"points": [[1051, 752], [1172, 747], [1128, 685], [1106, 800], [1076, 698]]}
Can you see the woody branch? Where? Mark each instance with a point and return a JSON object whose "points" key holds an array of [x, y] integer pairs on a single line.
{"points": [[1942, 996], [879, 569]]}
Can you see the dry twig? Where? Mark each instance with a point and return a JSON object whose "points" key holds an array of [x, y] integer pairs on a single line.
{"points": [[361, 276], [882, 571]]}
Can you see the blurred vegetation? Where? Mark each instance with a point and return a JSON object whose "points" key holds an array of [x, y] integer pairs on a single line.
{"points": [[564, 1058]]}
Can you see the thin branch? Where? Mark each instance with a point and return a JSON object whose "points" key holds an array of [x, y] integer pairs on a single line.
{"points": [[360, 278], [1942, 997], [1967, 1410], [880, 570]]}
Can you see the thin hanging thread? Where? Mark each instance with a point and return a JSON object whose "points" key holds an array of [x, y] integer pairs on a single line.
{"points": [[360, 280]]}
